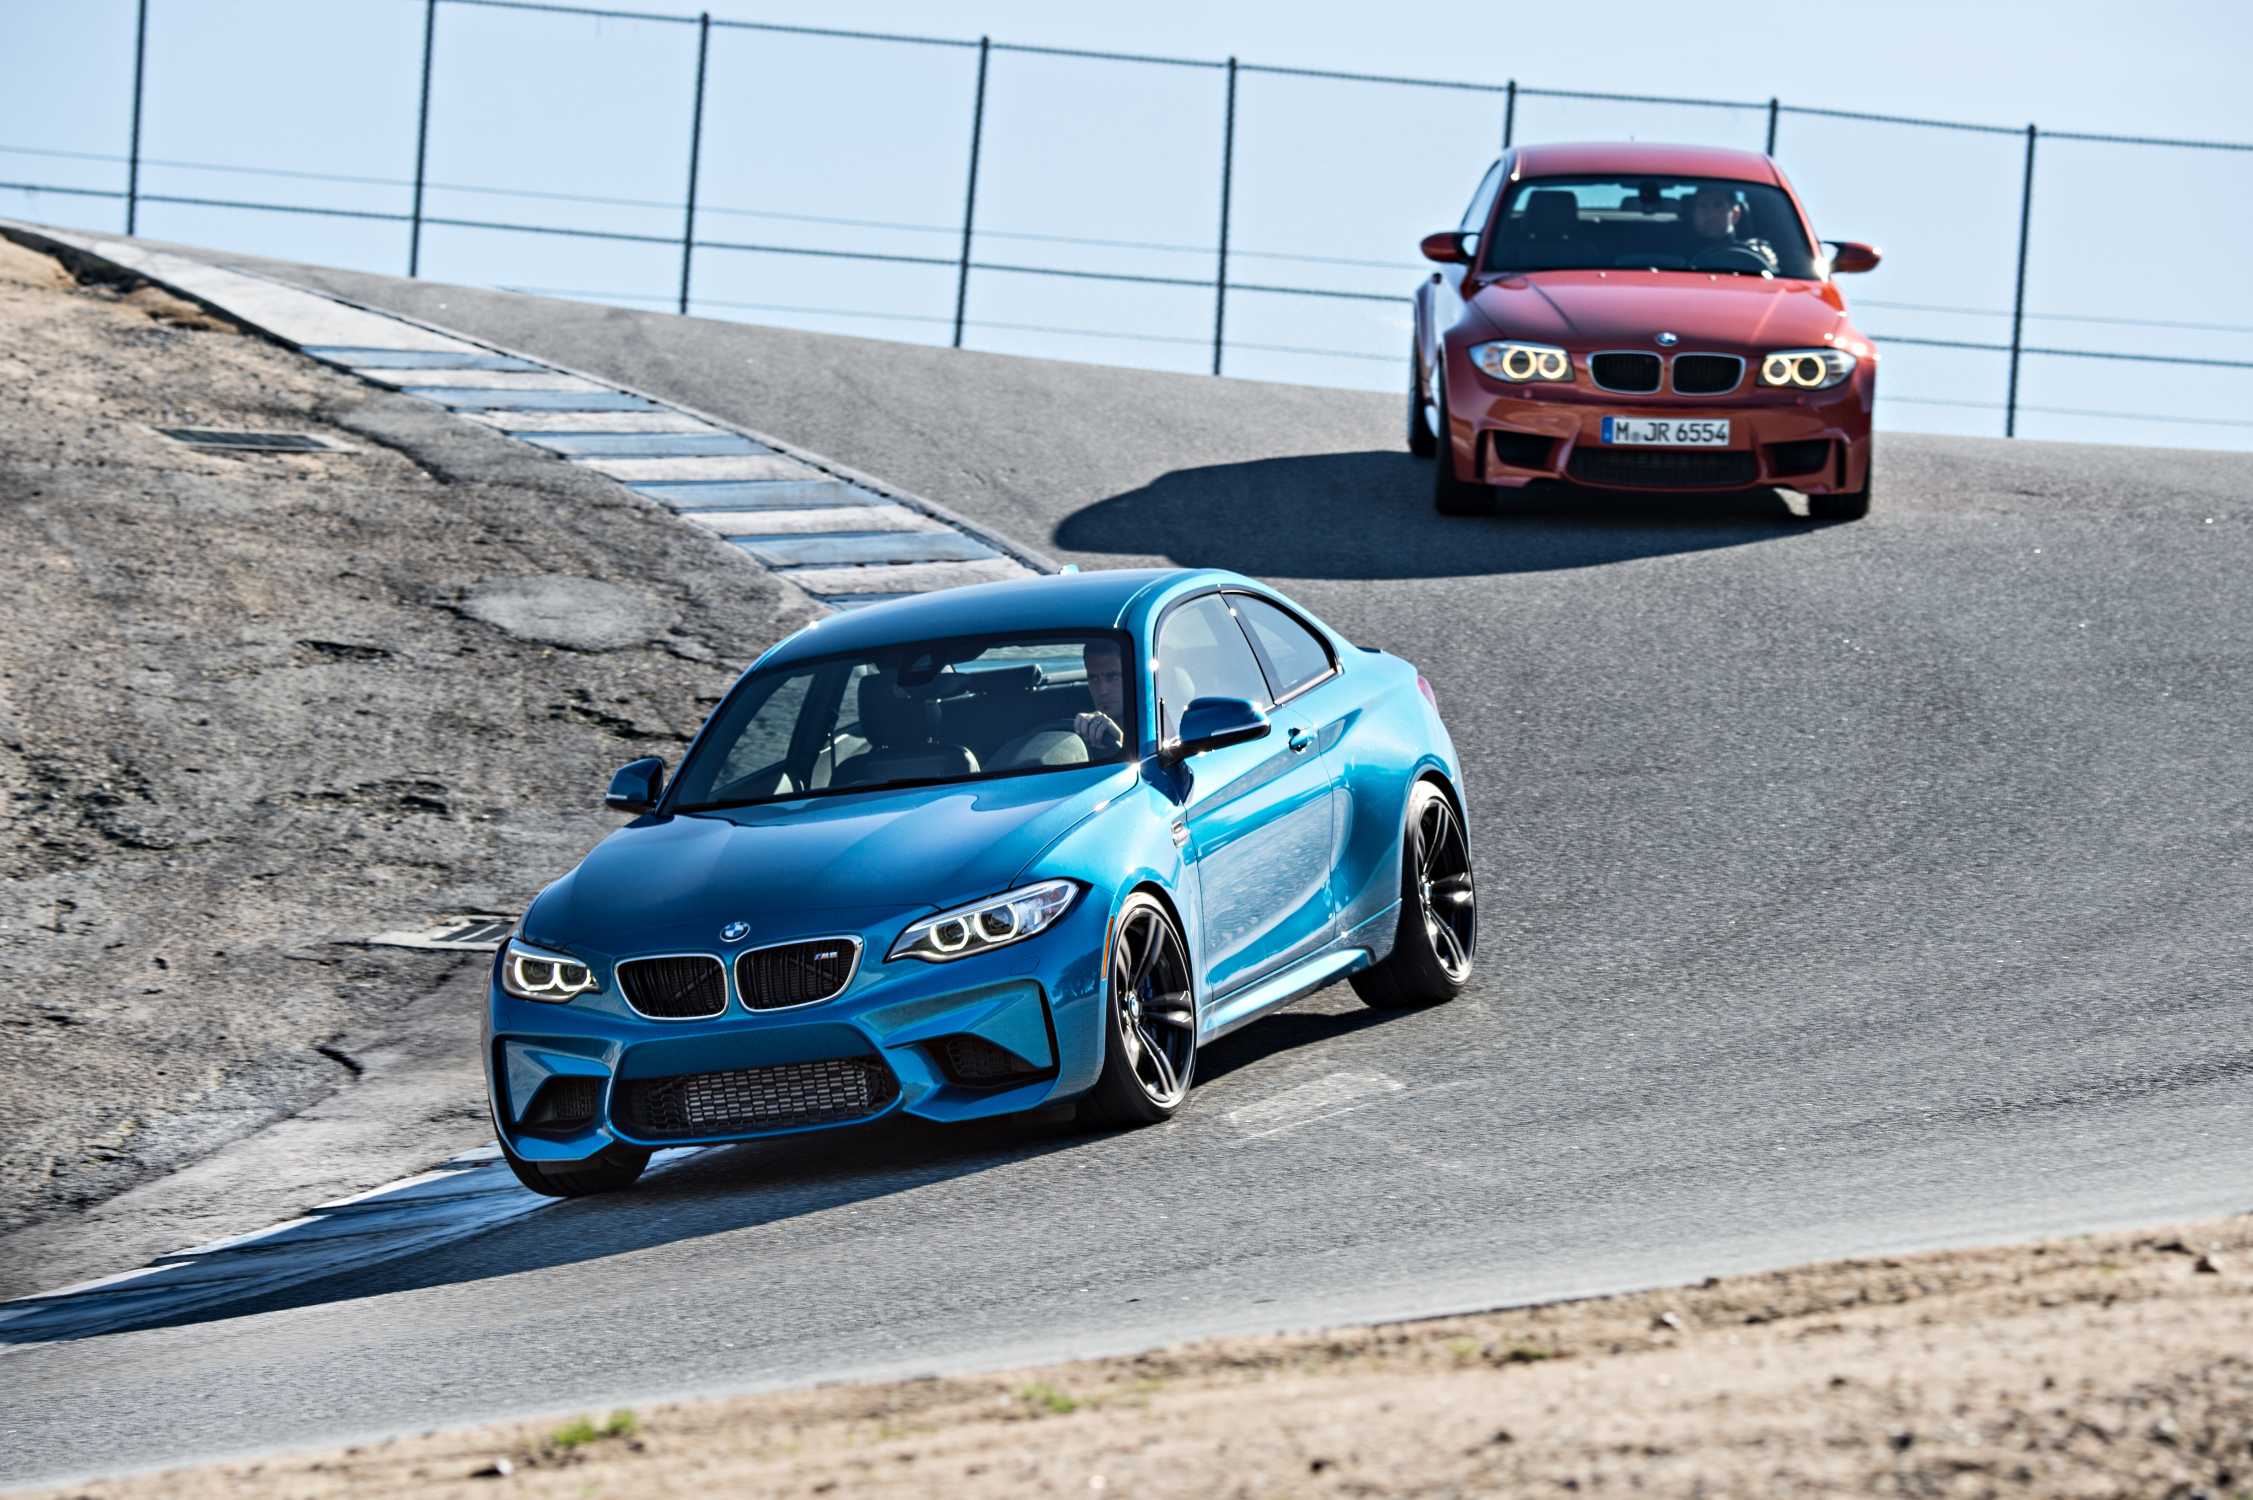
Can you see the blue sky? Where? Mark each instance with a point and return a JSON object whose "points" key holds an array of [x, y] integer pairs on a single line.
{"points": [[2134, 249]]}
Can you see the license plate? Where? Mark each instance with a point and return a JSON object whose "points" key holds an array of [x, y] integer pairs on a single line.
{"points": [[1666, 432]]}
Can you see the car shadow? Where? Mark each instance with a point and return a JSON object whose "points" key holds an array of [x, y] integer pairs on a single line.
{"points": [[1369, 515], [717, 1191]]}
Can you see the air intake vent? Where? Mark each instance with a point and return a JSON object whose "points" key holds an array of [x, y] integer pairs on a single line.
{"points": [[681, 988], [564, 1104], [1798, 460], [831, 1092], [974, 1060], [1662, 469], [795, 973], [1630, 372], [1707, 374]]}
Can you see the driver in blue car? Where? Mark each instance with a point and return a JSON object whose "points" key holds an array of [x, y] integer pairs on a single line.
{"points": [[1714, 213], [1086, 736]]}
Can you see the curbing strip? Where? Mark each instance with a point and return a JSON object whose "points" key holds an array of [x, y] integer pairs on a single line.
{"points": [[470, 1192]]}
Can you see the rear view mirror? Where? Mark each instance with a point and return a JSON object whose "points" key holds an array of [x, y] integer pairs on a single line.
{"points": [[1449, 247], [1215, 724], [636, 786], [1848, 256]]}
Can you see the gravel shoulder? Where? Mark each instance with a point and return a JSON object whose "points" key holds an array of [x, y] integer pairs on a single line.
{"points": [[2112, 1365], [257, 707]]}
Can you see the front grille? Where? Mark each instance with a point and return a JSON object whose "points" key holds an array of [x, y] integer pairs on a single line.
{"points": [[745, 1099], [1707, 374], [1629, 372], [1524, 450], [1663, 469], [974, 1060], [794, 973], [564, 1103], [681, 988], [1807, 456]]}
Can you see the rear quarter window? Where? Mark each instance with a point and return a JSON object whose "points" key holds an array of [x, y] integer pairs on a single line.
{"points": [[1295, 656]]}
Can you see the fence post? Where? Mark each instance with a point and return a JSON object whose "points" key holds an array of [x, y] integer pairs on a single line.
{"points": [[1773, 109], [1227, 187], [970, 196], [2018, 302], [422, 138], [695, 151], [1509, 113], [133, 155]]}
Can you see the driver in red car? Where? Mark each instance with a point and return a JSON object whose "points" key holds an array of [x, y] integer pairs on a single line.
{"points": [[1714, 213]]}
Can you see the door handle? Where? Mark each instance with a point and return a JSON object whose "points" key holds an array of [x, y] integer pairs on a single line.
{"points": [[1300, 742]]}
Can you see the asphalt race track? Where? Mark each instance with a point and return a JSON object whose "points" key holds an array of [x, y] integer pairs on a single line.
{"points": [[1843, 889]]}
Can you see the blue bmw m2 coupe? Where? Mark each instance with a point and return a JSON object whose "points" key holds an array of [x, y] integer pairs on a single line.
{"points": [[977, 852]]}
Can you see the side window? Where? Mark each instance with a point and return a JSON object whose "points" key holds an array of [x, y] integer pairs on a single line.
{"points": [[1474, 217], [1296, 653], [1202, 654]]}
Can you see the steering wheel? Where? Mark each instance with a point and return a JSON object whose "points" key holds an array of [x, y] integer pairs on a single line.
{"points": [[1730, 258]]}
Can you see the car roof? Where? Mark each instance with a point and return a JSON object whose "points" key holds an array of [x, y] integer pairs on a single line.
{"points": [[1591, 158], [1100, 600]]}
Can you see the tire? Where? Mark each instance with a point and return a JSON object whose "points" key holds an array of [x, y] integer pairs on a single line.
{"points": [[1421, 440], [607, 1171], [1450, 496], [1150, 1021], [1437, 944], [1851, 507]]}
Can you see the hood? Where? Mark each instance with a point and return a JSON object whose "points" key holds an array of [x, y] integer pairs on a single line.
{"points": [[820, 864], [1624, 309]]}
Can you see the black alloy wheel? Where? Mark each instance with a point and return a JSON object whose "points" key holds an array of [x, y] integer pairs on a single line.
{"points": [[1150, 1045], [1437, 941], [1451, 496], [1849, 507], [1423, 423]]}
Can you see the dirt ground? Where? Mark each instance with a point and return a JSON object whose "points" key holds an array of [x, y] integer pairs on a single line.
{"points": [[255, 708], [2116, 1365]]}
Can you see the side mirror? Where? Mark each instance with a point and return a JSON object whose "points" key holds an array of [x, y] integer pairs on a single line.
{"points": [[1450, 247], [1215, 724], [636, 786], [1848, 256]]}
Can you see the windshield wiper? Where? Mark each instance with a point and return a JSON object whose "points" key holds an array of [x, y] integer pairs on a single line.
{"points": [[825, 791]]}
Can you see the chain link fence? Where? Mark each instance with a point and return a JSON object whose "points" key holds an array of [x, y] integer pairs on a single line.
{"points": [[1337, 170]]}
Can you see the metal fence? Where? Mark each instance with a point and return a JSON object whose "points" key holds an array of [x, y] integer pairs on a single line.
{"points": [[1772, 117]]}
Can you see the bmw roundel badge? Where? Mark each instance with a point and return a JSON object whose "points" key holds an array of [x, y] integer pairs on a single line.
{"points": [[735, 932], [1668, 340]]}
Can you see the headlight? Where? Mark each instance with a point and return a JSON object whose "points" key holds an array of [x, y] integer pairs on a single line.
{"points": [[1511, 360], [985, 925], [534, 974], [1806, 369]]}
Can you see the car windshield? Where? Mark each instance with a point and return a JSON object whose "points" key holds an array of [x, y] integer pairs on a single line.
{"points": [[1649, 223], [921, 713]]}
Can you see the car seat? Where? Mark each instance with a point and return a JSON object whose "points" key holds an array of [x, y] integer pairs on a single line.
{"points": [[903, 740]]}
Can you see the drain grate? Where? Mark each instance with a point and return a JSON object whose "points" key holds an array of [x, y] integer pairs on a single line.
{"points": [[469, 932], [251, 442]]}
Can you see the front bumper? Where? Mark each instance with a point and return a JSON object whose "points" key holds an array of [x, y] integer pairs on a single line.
{"points": [[907, 1037], [1816, 442]]}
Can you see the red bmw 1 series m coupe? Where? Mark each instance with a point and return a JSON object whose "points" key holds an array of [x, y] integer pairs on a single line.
{"points": [[1640, 317]]}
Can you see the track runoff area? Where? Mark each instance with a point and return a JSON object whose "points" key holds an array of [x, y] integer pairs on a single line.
{"points": [[1848, 888]]}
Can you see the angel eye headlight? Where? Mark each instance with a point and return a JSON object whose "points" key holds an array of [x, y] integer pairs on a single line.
{"points": [[1520, 362], [985, 925], [531, 973], [1806, 369]]}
